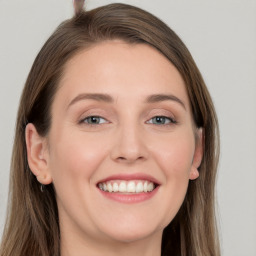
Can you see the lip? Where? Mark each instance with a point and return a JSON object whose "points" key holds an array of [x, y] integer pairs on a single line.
{"points": [[135, 176], [129, 198]]}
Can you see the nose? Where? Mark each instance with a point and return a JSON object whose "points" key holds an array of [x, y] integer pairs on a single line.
{"points": [[129, 145]]}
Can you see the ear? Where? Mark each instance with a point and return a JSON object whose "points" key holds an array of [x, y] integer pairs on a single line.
{"points": [[198, 155], [37, 154]]}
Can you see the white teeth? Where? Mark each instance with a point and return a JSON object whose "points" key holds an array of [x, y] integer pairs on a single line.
{"points": [[131, 187], [145, 187], [139, 187], [109, 186], [150, 186], [115, 187], [122, 187], [127, 186]]}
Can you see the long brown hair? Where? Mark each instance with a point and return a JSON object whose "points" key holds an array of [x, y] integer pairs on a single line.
{"points": [[32, 226]]}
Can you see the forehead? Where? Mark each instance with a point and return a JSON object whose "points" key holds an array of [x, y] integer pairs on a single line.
{"points": [[122, 70]]}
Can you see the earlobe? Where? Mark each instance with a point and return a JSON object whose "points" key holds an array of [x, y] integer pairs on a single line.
{"points": [[194, 173], [37, 155], [198, 155]]}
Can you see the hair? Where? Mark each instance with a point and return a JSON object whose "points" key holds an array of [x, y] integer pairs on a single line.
{"points": [[32, 226]]}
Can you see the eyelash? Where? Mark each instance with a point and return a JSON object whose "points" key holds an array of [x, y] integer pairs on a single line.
{"points": [[85, 120], [169, 120]]}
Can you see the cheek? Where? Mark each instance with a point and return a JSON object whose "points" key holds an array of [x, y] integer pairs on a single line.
{"points": [[175, 155], [174, 159], [75, 156]]}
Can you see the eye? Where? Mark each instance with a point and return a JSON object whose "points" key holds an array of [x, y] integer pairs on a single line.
{"points": [[94, 120], [161, 120]]}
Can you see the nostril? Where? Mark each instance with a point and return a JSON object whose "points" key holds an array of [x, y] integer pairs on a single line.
{"points": [[130, 159], [126, 149]]}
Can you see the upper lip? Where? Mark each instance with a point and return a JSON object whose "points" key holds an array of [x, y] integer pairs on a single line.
{"points": [[128, 176]]}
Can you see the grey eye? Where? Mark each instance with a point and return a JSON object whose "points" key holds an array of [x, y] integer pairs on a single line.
{"points": [[161, 120], [94, 120]]}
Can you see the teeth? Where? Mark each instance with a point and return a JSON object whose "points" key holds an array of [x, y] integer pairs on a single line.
{"points": [[145, 187], [127, 186], [139, 187], [150, 186], [101, 186], [109, 187], [131, 187], [122, 187], [115, 187]]}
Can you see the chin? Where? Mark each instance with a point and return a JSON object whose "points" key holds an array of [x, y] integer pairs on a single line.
{"points": [[128, 233], [130, 237]]}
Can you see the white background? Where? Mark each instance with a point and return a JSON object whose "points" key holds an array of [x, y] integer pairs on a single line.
{"points": [[221, 36]]}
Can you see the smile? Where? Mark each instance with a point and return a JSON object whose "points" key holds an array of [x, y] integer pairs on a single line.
{"points": [[129, 188], [123, 186]]}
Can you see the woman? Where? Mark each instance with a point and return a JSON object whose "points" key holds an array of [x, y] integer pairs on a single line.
{"points": [[116, 144]]}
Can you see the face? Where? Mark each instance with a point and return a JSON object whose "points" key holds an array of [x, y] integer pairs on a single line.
{"points": [[122, 147]]}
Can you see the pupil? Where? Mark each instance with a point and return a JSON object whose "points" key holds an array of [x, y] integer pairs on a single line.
{"points": [[94, 119], [160, 119]]}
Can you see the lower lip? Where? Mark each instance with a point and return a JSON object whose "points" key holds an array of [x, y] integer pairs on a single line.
{"points": [[129, 198]]}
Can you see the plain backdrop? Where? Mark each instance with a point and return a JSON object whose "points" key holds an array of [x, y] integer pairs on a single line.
{"points": [[221, 36]]}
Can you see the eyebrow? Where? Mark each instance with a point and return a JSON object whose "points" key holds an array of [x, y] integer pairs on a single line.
{"points": [[92, 96], [164, 97], [108, 99]]}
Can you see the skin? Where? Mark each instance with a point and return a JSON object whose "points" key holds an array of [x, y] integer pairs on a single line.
{"points": [[75, 155]]}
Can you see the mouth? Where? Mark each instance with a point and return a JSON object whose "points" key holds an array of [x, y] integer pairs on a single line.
{"points": [[127, 187]]}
